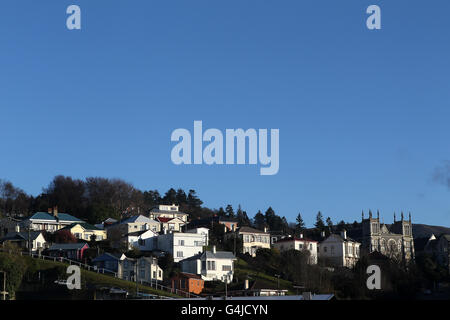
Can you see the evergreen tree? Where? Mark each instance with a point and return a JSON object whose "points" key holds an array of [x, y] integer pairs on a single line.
{"points": [[229, 211], [300, 225], [329, 223], [319, 221], [259, 220]]}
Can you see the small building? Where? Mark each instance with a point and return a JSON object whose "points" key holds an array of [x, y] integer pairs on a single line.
{"points": [[181, 245], [108, 261], [144, 269], [202, 231], [188, 282], [252, 239], [72, 251], [86, 231], [301, 244], [144, 240], [9, 225], [117, 232], [170, 224], [23, 238], [168, 211], [211, 265], [339, 250], [440, 248]]}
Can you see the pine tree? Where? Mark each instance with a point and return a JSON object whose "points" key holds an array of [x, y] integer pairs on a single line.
{"points": [[319, 221], [300, 226]]}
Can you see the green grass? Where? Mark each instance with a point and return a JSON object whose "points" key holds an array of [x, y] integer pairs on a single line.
{"points": [[242, 269]]}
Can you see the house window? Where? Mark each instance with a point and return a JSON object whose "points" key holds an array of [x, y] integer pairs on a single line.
{"points": [[154, 274], [160, 273], [324, 249], [300, 246], [181, 242], [211, 265], [179, 254], [226, 268]]}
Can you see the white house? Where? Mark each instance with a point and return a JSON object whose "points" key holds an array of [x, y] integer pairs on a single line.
{"points": [[339, 250], [22, 239], [144, 269], [144, 240], [117, 232], [211, 265], [168, 211], [50, 221], [300, 244], [181, 245], [171, 224], [201, 230]]}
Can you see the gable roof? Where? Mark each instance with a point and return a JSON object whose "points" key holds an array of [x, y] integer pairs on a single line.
{"points": [[19, 236], [68, 246], [84, 225], [138, 233], [295, 239], [47, 216], [138, 219], [250, 230], [106, 257]]}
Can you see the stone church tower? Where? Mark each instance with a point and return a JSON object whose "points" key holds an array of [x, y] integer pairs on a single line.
{"points": [[395, 241]]}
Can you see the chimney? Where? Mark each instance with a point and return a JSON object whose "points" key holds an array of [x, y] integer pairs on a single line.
{"points": [[265, 229], [301, 235], [50, 210], [344, 234], [322, 234], [17, 228], [246, 284], [214, 249], [55, 211]]}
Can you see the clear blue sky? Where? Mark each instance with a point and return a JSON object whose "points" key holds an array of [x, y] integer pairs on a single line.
{"points": [[363, 115]]}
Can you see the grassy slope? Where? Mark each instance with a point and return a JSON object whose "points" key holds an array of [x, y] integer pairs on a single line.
{"points": [[98, 279], [242, 269]]}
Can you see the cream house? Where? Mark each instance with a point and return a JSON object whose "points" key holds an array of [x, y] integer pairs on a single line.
{"points": [[86, 231], [252, 239], [339, 250]]}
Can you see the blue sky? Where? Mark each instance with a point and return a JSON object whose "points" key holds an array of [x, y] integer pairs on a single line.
{"points": [[363, 115]]}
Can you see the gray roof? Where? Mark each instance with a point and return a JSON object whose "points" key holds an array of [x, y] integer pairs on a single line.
{"points": [[250, 230], [21, 236], [139, 219], [67, 246], [211, 255]]}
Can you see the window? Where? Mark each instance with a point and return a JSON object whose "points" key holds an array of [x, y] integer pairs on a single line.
{"points": [[179, 254], [154, 274], [310, 246], [324, 249], [160, 273], [300, 246], [181, 242], [226, 268], [211, 265]]}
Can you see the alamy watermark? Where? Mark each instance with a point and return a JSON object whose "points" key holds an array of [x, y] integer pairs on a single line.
{"points": [[213, 152]]}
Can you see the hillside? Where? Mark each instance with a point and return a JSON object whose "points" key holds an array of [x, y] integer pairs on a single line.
{"points": [[423, 230]]}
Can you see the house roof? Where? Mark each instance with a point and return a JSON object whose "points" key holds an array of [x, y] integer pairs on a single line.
{"points": [[295, 239], [138, 233], [106, 257], [164, 219], [156, 210], [68, 246], [84, 225], [19, 236], [189, 275], [138, 219], [47, 216], [217, 255], [250, 230]]}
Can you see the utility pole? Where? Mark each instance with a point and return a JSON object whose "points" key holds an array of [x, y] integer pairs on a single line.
{"points": [[4, 293]]}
